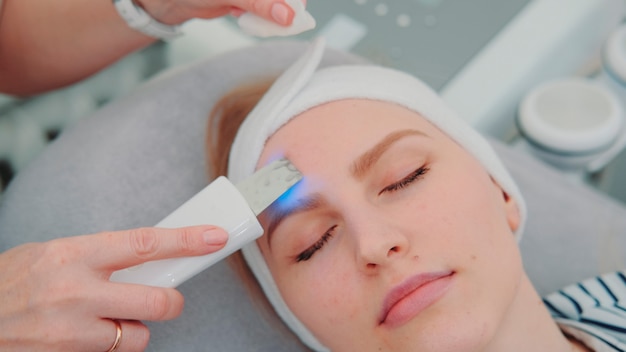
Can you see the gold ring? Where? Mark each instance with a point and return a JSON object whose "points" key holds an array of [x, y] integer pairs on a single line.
{"points": [[118, 336]]}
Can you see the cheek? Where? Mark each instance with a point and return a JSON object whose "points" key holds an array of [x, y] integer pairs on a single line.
{"points": [[470, 198], [321, 294], [477, 234], [461, 211]]}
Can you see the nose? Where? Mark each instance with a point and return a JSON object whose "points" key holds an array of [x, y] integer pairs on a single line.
{"points": [[379, 243]]}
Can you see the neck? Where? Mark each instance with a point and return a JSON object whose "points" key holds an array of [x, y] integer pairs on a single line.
{"points": [[529, 327]]}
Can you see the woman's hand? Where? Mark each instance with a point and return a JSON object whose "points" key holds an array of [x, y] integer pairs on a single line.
{"points": [[56, 295], [178, 11]]}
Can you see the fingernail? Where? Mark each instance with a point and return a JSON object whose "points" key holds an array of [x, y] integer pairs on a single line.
{"points": [[280, 13], [215, 237]]}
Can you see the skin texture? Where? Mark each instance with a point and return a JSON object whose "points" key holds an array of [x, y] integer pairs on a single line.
{"points": [[56, 295], [452, 218], [49, 44]]}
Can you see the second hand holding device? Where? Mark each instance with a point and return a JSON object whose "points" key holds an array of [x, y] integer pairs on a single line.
{"points": [[233, 208]]}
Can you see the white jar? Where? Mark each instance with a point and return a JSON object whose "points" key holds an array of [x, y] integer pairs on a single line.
{"points": [[574, 124], [613, 74]]}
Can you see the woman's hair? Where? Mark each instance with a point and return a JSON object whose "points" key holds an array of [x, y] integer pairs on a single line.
{"points": [[224, 120]]}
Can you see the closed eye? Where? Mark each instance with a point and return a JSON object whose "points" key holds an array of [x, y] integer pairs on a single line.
{"points": [[409, 179], [308, 253]]}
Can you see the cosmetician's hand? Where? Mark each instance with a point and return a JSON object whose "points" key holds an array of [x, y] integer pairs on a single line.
{"points": [[56, 295], [178, 11]]}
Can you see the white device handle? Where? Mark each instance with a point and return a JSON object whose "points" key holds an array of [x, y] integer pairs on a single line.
{"points": [[220, 204]]}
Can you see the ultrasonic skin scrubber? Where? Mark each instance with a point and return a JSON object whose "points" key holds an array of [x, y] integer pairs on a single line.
{"points": [[234, 208]]}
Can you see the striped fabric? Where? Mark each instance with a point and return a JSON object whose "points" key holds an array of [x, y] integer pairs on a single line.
{"points": [[594, 311]]}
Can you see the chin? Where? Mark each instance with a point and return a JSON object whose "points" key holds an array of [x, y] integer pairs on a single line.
{"points": [[444, 333]]}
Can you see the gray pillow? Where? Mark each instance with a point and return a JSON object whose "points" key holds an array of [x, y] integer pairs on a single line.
{"points": [[138, 158]]}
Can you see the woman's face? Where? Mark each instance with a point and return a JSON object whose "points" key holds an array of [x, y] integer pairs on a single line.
{"points": [[397, 239]]}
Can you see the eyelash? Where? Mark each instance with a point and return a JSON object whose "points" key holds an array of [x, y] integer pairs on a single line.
{"points": [[308, 253], [415, 175]]}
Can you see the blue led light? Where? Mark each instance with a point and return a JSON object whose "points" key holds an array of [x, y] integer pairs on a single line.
{"points": [[290, 198]]}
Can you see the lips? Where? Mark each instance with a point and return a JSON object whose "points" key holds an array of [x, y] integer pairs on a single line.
{"points": [[412, 296]]}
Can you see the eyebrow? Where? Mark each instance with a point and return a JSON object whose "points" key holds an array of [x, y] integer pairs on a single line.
{"points": [[359, 168], [363, 164], [277, 214]]}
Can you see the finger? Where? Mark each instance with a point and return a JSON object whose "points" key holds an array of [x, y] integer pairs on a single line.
{"points": [[273, 10], [58, 332], [236, 12], [133, 335], [122, 249], [137, 302]]}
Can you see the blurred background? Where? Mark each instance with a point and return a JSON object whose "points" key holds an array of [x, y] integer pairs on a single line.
{"points": [[484, 56]]}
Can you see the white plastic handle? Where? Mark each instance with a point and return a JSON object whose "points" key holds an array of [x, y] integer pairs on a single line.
{"points": [[220, 204]]}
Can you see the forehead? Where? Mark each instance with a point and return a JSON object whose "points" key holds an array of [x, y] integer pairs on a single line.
{"points": [[341, 130]]}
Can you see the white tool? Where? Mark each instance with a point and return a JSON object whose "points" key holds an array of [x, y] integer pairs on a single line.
{"points": [[234, 208]]}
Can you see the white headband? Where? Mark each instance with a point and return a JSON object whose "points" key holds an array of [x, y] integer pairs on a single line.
{"points": [[302, 87]]}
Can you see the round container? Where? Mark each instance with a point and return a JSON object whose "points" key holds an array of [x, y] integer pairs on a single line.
{"points": [[569, 122], [614, 60], [613, 73]]}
